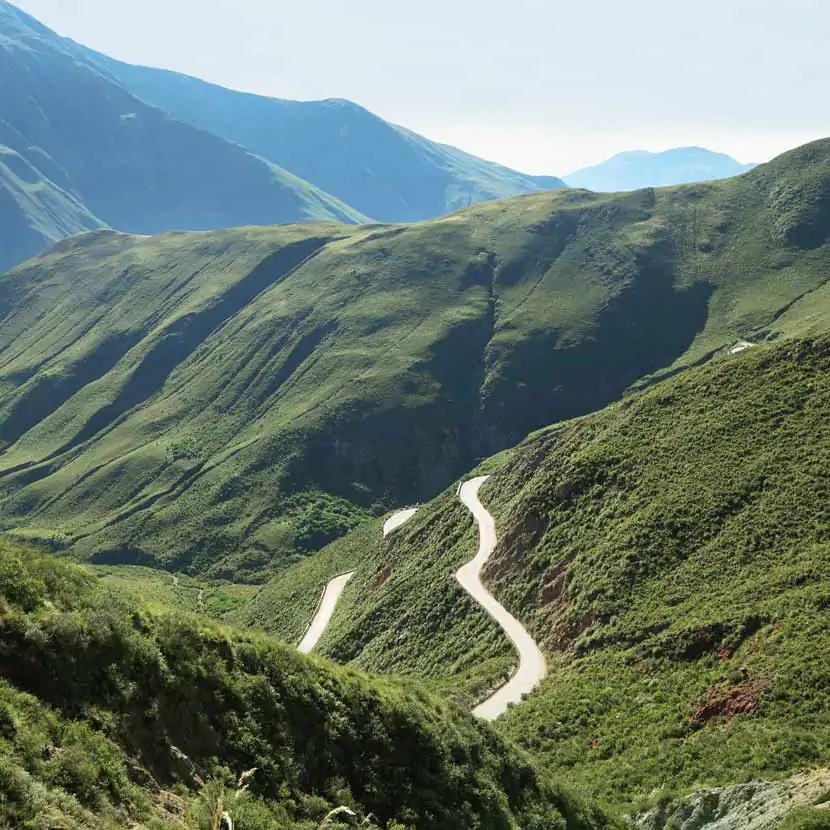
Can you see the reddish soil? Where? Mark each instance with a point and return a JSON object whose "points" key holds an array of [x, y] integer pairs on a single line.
{"points": [[725, 700]]}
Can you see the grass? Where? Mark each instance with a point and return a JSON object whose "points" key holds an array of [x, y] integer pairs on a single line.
{"points": [[671, 555], [223, 404], [113, 715], [35, 211], [380, 625], [679, 543], [159, 591], [807, 818]]}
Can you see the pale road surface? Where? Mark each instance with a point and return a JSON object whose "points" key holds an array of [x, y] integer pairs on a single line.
{"points": [[398, 519], [741, 346], [332, 592], [325, 610], [532, 667]]}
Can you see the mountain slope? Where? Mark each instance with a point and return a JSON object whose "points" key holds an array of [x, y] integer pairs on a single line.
{"points": [[637, 169], [111, 717], [34, 211], [671, 555], [384, 171], [90, 153], [224, 402]]}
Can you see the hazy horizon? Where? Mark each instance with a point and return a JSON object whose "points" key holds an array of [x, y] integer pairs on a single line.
{"points": [[541, 91]]}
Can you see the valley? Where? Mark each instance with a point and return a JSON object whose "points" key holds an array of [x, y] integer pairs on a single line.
{"points": [[248, 414], [350, 480]]}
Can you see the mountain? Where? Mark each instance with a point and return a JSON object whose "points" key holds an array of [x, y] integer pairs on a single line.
{"points": [[671, 556], [384, 171], [34, 211], [112, 716], [223, 403], [638, 169], [78, 152]]}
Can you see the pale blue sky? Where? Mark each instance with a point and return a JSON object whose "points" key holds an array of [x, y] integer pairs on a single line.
{"points": [[542, 85]]}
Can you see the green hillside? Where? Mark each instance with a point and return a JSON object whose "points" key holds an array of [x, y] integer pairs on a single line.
{"points": [[683, 549], [222, 403], [670, 554], [384, 171], [79, 152], [111, 716]]}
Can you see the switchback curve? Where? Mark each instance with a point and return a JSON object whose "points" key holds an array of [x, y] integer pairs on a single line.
{"points": [[333, 590], [532, 666]]}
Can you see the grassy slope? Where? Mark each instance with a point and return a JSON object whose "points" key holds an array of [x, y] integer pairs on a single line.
{"points": [[108, 713], [670, 553], [162, 591], [420, 637], [674, 557], [224, 401], [384, 171], [84, 152]]}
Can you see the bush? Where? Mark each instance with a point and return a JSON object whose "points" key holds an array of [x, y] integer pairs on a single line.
{"points": [[807, 818]]}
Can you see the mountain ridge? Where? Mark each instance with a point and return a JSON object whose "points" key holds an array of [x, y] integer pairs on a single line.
{"points": [[384, 170], [124, 164], [226, 402]]}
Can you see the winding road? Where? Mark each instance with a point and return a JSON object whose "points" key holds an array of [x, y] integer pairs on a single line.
{"points": [[401, 517], [333, 590], [532, 667], [325, 610]]}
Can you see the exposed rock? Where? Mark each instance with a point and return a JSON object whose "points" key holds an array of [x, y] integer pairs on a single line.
{"points": [[761, 805]]}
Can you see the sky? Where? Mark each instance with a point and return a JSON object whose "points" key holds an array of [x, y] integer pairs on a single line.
{"points": [[544, 86]]}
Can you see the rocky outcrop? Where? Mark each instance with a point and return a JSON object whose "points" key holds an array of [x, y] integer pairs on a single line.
{"points": [[760, 805]]}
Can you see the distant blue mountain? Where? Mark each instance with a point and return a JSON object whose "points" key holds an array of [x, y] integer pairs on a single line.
{"points": [[639, 168], [384, 171], [88, 142], [79, 152]]}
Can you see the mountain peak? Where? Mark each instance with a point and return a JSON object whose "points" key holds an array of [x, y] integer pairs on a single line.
{"points": [[636, 169]]}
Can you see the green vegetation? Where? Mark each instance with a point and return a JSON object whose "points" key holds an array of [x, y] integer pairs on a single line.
{"points": [[285, 607], [679, 543], [195, 411], [222, 404], [113, 716], [807, 818], [159, 590], [34, 211], [383, 626], [122, 162], [670, 553]]}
